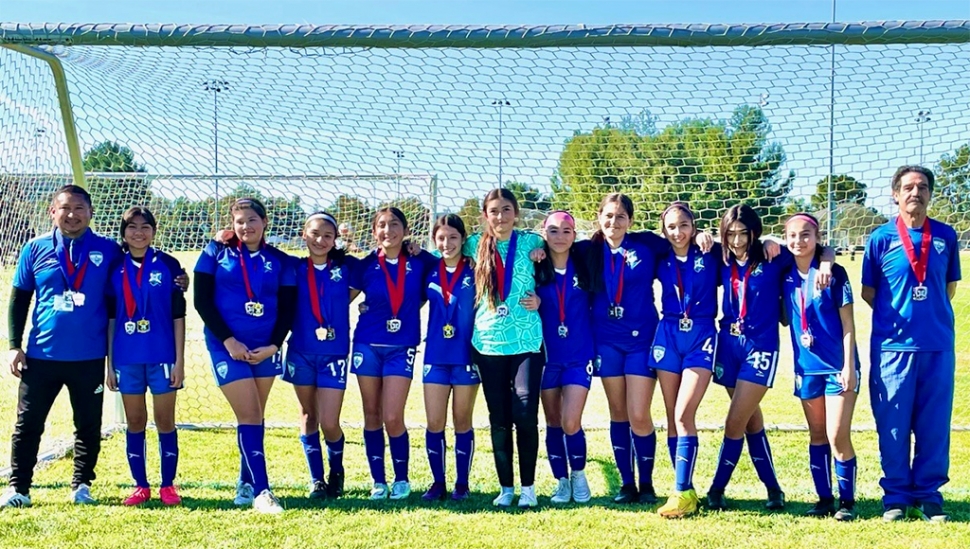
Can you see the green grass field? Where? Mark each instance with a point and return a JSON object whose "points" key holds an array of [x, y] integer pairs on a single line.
{"points": [[209, 462]]}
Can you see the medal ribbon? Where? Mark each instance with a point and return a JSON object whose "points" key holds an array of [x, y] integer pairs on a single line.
{"points": [[73, 274], [614, 283], [561, 290], [739, 289], [250, 292], [127, 285], [919, 265], [684, 284], [803, 289], [316, 291], [503, 271], [395, 289], [448, 287]]}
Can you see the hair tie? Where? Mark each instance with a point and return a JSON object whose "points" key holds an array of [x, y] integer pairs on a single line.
{"points": [[324, 216], [811, 220]]}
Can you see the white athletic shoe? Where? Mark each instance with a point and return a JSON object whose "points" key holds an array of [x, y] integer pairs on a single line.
{"points": [[244, 494], [82, 495], [527, 497], [564, 492], [581, 492], [400, 489], [504, 498], [12, 498], [379, 491], [267, 503]]}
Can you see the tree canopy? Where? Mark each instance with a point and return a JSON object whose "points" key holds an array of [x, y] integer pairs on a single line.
{"points": [[845, 188]]}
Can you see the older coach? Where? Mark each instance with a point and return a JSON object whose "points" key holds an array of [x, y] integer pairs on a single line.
{"points": [[909, 277]]}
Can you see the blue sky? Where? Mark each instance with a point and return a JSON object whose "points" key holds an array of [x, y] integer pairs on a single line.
{"points": [[435, 105]]}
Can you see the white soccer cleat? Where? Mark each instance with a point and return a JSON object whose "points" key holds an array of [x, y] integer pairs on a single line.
{"points": [[527, 497], [82, 495], [564, 492], [244, 494], [267, 503], [581, 493], [504, 497], [379, 491], [400, 490], [12, 498]]}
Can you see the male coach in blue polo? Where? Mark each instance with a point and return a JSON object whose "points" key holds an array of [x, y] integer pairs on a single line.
{"points": [[909, 277]]}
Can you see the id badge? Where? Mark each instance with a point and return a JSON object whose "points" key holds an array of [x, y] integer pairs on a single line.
{"points": [[394, 325]]}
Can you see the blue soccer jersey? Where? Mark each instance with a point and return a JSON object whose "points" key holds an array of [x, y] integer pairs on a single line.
{"points": [[821, 351], [567, 328], [453, 347], [761, 291], [267, 270], [376, 324], [148, 335], [899, 322], [636, 261], [69, 278], [689, 284], [333, 298]]}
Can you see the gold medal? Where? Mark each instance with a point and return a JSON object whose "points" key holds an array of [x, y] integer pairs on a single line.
{"points": [[143, 326], [448, 331]]}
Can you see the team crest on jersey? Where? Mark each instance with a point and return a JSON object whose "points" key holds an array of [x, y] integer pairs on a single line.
{"points": [[466, 282], [658, 353], [939, 244], [798, 382], [155, 278], [575, 281], [268, 267], [222, 369], [290, 368], [597, 363], [96, 258], [358, 360], [426, 370], [631, 259], [718, 371], [407, 267], [336, 275], [698, 264], [757, 270]]}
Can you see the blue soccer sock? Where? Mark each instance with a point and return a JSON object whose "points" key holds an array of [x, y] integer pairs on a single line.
{"points": [[374, 448], [464, 453], [135, 446], [400, 456], [245, 476], [620, 438], [251, 437], [335, 455], [576, 449], [556, 450], [314, 455], [168, 448], [435, 446], [845, 473], [684, 460], [672, 448], [760, 452], [646, 449], [820, 463], [727, 460]]}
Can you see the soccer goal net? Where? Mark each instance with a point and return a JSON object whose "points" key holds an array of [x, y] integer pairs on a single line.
{"points": [[795, 117]]}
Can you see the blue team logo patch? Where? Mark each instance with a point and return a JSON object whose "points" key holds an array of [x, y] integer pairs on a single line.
{"points": [[155, 278], [718, 371], [658, 353], [466, 282], [426, 370], [290, 368], [96, 258], [575, 281], [939, 244], [336, 275], [358, 360], [597, 363], [757, 270], [222, 369], [698, 264], [631, 259], [407, 267], [798, 382], [268, 267]]}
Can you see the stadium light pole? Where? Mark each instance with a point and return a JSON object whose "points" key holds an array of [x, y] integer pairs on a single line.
{"points": [[500, 103], [399, 155], [216, 86], [922, 117]]}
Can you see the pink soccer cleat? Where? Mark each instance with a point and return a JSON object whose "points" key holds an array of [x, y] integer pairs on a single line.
{"points": [[169, 496], [139, 496]]}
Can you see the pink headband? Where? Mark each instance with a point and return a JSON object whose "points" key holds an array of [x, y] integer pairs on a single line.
{"points": [[559, 216], [803, 217]]}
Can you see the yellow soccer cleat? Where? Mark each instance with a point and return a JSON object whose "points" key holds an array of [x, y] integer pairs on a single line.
{"points": [[679, 505]]}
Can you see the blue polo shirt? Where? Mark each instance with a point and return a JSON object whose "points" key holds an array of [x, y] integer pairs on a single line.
{"points": [[56, 333]]}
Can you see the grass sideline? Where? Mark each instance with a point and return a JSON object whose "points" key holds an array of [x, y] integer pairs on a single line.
{"points": [[208, 518]]}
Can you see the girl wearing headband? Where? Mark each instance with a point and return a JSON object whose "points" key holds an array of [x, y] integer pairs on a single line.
{"points": [[245, 292], [827, 367], [567, 329], [448, 369], [317, 351]]}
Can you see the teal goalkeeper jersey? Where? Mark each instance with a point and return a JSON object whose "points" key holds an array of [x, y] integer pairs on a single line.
{"points": [[520, 331]]}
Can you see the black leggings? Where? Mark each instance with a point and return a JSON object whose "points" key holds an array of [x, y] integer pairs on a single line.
{"points": [[511, 387]]}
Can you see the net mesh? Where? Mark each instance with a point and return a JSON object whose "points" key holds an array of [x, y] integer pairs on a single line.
{"points": [[349, 129]]}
